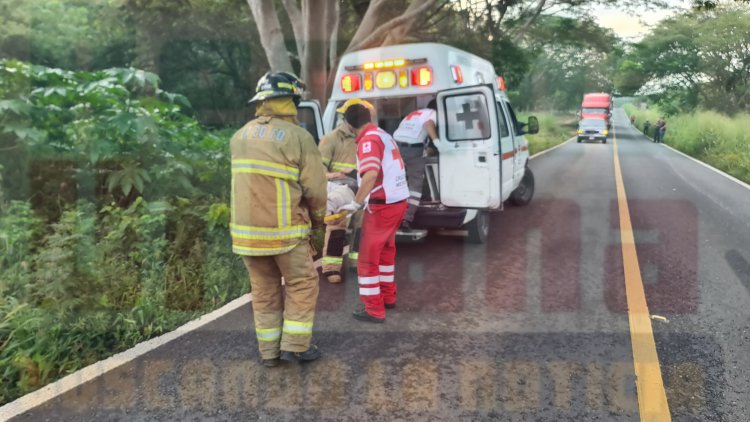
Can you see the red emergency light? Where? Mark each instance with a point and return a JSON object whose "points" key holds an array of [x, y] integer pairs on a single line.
{"points": [[501, 83], [421, 76], [368, 81], [350, 82], [458, 77]]}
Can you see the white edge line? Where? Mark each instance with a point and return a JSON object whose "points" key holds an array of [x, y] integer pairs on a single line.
{"points": [[710, 167], [29, 401], [551, 149]]}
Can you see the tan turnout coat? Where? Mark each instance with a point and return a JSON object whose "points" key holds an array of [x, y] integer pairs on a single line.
{"points": [[278, 187], [339, 149]]}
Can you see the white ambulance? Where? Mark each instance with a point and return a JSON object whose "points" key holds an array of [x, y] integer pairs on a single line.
{"points": [[482, 154]]}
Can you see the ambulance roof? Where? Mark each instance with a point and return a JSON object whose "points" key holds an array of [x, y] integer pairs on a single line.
{"points": [[449, 67]]}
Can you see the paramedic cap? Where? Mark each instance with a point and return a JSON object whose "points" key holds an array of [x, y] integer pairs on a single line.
{"points": [[350, 102]]}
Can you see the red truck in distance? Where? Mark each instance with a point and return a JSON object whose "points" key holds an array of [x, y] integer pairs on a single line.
{"points": [[597, 106]]}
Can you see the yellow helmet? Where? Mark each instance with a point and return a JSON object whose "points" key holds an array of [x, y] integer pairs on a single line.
{"points": [[350, 102]]}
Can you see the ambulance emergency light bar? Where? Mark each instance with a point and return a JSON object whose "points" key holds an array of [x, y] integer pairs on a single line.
{"points": [[385, 64], [388, 74], [419, 76]]}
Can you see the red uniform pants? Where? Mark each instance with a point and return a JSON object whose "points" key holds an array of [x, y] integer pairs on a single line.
{"points": [[377, 256]]}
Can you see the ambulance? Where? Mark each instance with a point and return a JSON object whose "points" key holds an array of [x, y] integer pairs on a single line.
{"points": [[482, 159]]}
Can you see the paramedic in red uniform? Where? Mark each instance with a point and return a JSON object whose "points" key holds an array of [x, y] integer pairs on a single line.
{"points": [[383, 189]]}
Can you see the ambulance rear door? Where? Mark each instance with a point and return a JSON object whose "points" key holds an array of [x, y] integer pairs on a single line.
{"points": [[310, 118], [469, 158]]}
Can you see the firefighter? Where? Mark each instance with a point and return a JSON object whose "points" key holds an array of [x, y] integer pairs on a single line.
{"points": [[339, 152], [382, 186], [413, 137], [278, 197]]}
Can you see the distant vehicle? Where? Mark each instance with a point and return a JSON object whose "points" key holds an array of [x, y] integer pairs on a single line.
{"points": [[597, 106], [483, 154], [593, 130]]}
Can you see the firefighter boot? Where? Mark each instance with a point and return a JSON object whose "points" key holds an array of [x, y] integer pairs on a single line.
{"points": [[310, 355], [271, 363]]}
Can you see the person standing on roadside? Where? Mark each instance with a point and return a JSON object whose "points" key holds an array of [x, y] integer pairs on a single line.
{"points": [[662, 130], [383, 189], [278, 196], [657, 129]]}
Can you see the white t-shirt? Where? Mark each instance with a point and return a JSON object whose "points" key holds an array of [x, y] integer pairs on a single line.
{"points": [[412, 130]]}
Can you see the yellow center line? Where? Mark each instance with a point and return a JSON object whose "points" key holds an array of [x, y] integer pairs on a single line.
{"points": [[652, 399]]}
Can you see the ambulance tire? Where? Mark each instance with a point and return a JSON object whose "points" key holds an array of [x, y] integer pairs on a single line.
{"points": [[479, 228], [525, 191]]}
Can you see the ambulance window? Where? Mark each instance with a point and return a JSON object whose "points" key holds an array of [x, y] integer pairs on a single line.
{"points": [[502, 121], [306, 117], [517, 128], [467, 117]]}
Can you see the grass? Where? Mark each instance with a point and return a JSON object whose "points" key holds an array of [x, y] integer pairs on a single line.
{"points": [[554, 129], [716, 139]]}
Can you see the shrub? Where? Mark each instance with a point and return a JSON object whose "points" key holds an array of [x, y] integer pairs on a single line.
{"points": [[126, 233], [553, 130]]}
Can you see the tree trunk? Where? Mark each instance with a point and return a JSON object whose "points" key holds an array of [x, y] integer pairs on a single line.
{"points": [[315, 65], [376, 37], [295, 18], [271, 37], [369, 23], [333, 18], [397, 34]]}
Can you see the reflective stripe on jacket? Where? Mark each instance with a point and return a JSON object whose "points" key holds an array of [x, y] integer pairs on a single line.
{"points": [[339, 149], [278, 187]]}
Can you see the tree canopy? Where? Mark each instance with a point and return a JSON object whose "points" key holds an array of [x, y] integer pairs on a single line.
{"points": [[701, 58], [550, 51]]}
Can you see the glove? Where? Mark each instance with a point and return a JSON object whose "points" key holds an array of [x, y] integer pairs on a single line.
{"points": [[351, 207]]}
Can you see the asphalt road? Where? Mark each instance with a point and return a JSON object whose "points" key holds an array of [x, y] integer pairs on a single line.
{"points": [[532, 326]]}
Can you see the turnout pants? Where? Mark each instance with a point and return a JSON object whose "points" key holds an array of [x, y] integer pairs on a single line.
{"points": [[377, 256], [413, 156], [283, 321], [333, 249]]}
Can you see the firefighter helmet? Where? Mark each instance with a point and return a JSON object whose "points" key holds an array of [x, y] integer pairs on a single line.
{"points": [[278, 84], [350, 102]]}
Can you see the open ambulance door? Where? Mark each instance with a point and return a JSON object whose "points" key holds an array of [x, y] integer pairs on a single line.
{"points": [[469, 160], [310, 118]]}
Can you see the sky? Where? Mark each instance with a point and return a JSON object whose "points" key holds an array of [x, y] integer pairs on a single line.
{"points": [[633, 25]]}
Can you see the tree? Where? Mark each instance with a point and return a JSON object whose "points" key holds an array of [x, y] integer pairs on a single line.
{"points": [[700, 58], [208, 51], [315, 27], [568, 57], [80, 34]]}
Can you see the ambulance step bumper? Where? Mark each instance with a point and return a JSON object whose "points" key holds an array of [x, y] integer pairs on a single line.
{"points": [[436, 218]]}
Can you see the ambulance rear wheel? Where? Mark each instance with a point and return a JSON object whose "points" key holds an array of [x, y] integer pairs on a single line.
{"points": [[525, 190], [479, 228]]}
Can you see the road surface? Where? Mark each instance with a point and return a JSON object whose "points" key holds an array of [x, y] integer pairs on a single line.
{"points": [[532, 326]]}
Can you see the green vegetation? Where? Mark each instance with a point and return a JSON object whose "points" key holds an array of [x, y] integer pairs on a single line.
{"points": [[714, 138], [682, 72], [125, 234], [554, 129]]}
